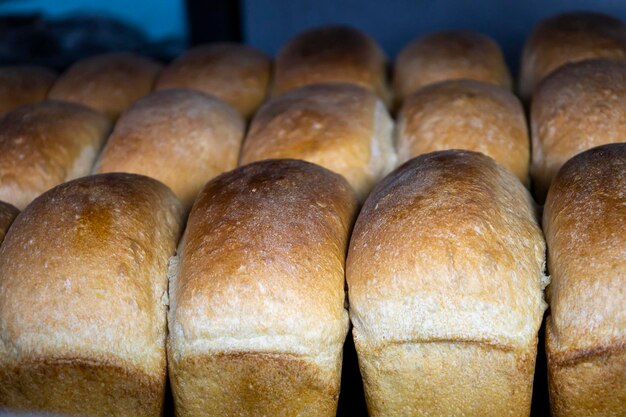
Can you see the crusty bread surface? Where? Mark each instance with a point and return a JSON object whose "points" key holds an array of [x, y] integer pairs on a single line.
{"points": [[445, 278], [583, 221], [450, 55], [237, 74], [257, 318], [83, 298], [566, 38], [108, 82], [23, 84], [579, 106], [180, 137], [342, 127], [338, 54], [465, 114], [45, 144]]}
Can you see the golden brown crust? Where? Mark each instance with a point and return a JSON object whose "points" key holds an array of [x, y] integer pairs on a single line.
{"points": [[57, 386], [262, 273], [83, 298], [591, 385], [448, 378], [237, 74], [45, 144], [583, 221], [447, 250], [465, 114], [450, 55], [8, 213], [577, 107], [341, 127], [109, 83], [328, 54], [566, 38], [23, 84], [253, 384], [180, 137]]}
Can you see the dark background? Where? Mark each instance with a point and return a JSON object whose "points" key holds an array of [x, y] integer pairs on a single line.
{"points": [[267, 24]]}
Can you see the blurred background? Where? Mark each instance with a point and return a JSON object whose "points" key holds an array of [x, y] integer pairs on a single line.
{"points": [[59, 31]]}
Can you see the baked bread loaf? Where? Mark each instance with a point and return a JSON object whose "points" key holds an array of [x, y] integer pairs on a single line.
{"points": [[109, 82], [83, 299], [583, 220], [237, 74], [569, 37], [7, 215], [180, 137], [257, 319], [45, 144], [445, 279], [342, 127], [577, 107], [23, 84], [331, 54], [465, 114], [450, 55]]}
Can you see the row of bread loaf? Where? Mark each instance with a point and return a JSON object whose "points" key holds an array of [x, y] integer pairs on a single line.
{"points": [[329, 54], [445, 275], [341, 127]]}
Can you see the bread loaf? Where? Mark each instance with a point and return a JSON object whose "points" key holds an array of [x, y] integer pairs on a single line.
{"points": [[180, 137], [257, 319], [45, 144], [445, 279], [234, 73], [7, 215], [450, 55], [83, 299], [583, 220], [109, 83], [465, 114], [569, 37], [22, 84], [341, 127], [337, 54], [577, 107]]}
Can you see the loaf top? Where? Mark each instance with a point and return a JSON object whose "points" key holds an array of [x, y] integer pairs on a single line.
{"points": [[235, 73], [449, 55], [7, 215], [84, 274], [569, 37], [583, 220], [331, 54], [183, 138], [43, 144], [465, 114], [262, 263], [342, 127], [107, 82], [577, 107], [594, 89], [447, 248], [23, 84]]}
